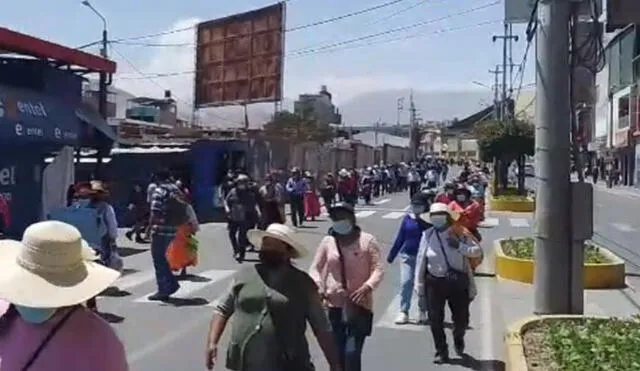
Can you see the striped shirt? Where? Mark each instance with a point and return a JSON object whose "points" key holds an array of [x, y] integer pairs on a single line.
{"points": [[159, 205]]}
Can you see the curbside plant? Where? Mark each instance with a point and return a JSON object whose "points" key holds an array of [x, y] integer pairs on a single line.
{"points": [[573, 343], [515, 261]]}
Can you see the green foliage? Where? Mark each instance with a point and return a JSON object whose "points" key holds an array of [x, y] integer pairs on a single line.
{"points": [[504, 139], [288, 125], [511, 197], [591, 344], [524, 248]]}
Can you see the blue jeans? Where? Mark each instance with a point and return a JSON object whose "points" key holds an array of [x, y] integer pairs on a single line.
{"points": [[349, 346], [407, 275], [167, 282]]}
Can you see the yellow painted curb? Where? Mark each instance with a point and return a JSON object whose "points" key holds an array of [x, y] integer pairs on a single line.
{"points": [[515, 359], [526, 205], [596, 276]]}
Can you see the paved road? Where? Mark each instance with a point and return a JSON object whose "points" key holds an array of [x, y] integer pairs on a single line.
{"points": [[172, 336]]}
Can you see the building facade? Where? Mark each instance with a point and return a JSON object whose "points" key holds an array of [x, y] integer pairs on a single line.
{"points": [[318, 106]]}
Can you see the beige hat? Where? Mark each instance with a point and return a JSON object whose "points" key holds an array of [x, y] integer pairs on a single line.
{"points": [[439, 208], [49, 268], [281, 232]]}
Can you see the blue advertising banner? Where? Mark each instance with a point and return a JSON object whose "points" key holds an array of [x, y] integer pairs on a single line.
{"points": [[29, 117], [20, 191]]}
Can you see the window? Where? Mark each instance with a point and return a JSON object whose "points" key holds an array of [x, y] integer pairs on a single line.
{"points": [[623, 112]]}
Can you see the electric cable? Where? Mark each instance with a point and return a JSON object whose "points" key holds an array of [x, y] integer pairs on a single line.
{"points": [[138, 71], [336, 49], [530, 32]]}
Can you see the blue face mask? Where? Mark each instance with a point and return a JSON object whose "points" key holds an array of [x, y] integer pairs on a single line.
{"points": [[439, 221], [342, 227], [35, 316], [417, 209]]}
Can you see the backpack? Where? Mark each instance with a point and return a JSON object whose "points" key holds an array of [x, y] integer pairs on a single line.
{"points": [[87, 219], [176, 213]]}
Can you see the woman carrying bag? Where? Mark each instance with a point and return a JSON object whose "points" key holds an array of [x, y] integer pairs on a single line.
{"points": [[347, 269]]}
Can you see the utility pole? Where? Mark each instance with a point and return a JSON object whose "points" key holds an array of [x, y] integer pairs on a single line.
{"points": [[412, 128], [507, 38], [399, 108], [376, 132], [553, 279], [496, 110]]}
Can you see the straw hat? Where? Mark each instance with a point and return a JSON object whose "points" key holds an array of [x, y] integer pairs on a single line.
{"points": [[281, 232], [98, 186], [439, 208], [49, 268]]}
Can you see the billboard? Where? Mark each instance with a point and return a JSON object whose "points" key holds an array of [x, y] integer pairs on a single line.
{"points": [[621, 13], [239, 59], [519, 11]]}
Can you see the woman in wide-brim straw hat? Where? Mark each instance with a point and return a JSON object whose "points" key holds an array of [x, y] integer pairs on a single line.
{"points": [[278, 327], [443, 274], [44, 279]]}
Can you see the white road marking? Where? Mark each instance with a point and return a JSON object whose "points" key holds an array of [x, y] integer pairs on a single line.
{"points": [[383, 201], [388, 318], [394, 215], [622, 227], [486, 300], [187, 288], [364, 213], [407, 208], [489, 223], [132, 280], [518, 222]]}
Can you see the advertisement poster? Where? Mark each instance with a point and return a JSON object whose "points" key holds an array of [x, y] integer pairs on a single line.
{"points": [[20, 188]]}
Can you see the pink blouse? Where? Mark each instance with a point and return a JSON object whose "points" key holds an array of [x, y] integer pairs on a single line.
{"points": [[85, 342], [362, 267]]}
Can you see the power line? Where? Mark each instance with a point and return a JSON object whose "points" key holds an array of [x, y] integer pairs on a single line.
{"points": [[138, 71], [295, 28], [336, 49]]}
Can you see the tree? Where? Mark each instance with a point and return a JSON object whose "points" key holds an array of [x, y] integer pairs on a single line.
{"points": [[289, 125], [502, 142]]}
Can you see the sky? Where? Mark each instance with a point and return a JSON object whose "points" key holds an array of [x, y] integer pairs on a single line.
{"points": [[450, 51]]}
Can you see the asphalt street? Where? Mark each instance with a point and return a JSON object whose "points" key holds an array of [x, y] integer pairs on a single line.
{"points": [[171, 336]]}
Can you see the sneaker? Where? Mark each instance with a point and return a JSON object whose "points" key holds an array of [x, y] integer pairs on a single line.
{"points": [[158, 297], [459, 345], [402, 319], [423, 319]]}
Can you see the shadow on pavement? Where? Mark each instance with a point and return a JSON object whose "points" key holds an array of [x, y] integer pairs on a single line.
{"points": [[111, 318], [468, 361], [129, 251], [114, 292], [193, 278], [187, 302]]}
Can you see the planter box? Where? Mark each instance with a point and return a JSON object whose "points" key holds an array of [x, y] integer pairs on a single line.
{"points": [[596, 276], [513, 340], [526, 205]]}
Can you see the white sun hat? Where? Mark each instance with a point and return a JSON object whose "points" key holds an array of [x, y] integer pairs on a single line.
{"points": [[439, 208], [50, 268], [281, 232]]}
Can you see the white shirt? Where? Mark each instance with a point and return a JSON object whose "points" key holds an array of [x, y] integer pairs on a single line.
{"points": [[152, 187]]}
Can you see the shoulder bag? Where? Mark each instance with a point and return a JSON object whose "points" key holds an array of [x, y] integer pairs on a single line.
{"points": [[48, 338], [458, 278], [358, 319]]}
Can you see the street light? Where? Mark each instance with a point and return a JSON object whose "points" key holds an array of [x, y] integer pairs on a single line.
{"points": [[104, 20]]}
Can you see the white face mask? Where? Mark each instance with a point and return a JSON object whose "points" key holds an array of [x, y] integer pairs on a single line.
{"points": [[438, 221], [461, 198]]}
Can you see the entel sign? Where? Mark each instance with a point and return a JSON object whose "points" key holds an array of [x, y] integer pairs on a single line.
{"points": [[11, 108]]}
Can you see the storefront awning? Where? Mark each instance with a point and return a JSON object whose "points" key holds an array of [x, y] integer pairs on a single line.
{"points": [[91, 117], [30, 117]]}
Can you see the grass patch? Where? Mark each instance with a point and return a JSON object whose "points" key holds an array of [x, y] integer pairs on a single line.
{"points": [[511, 198], [523, 248], [583, 344]]}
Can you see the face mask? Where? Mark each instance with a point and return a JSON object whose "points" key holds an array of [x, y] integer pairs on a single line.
{"points": [[417, 209], [342, 227], [461, 198], [35, 316], [271, 258], [439, 221], [242, 187]]}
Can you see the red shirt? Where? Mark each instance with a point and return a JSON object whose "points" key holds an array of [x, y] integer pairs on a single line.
{"points": [[470, 216], [444, 199]]}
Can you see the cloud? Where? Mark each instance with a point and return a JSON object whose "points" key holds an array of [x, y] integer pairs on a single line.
{"points": [[345, 88]]}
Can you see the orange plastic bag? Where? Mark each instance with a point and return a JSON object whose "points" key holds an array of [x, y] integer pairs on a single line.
{"points": [[179, 254], [462, 231]]}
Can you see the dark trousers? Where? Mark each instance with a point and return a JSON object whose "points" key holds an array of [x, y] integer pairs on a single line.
{"points": [[296, 203], [440, 292], [414, 187], [166, 281], [349, 346], [238, 237]]}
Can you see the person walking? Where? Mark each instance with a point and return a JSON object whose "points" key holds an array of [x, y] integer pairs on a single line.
{"points": [[271, 303], [347, 269], [406, 245], [243, 212], [444, 275], [296, 187], [44, 280]]}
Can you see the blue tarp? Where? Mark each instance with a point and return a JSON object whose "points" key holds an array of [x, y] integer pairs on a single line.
{"points": [[29, 117]]}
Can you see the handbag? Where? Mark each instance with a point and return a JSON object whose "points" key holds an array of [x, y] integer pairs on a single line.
{"points": [[458, 278], [358, 320]]}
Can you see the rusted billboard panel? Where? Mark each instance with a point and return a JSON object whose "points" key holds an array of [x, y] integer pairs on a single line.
{"points": [[239, 59]]}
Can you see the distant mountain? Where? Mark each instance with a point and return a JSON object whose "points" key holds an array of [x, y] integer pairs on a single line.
{"points": [[368, 108]]}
